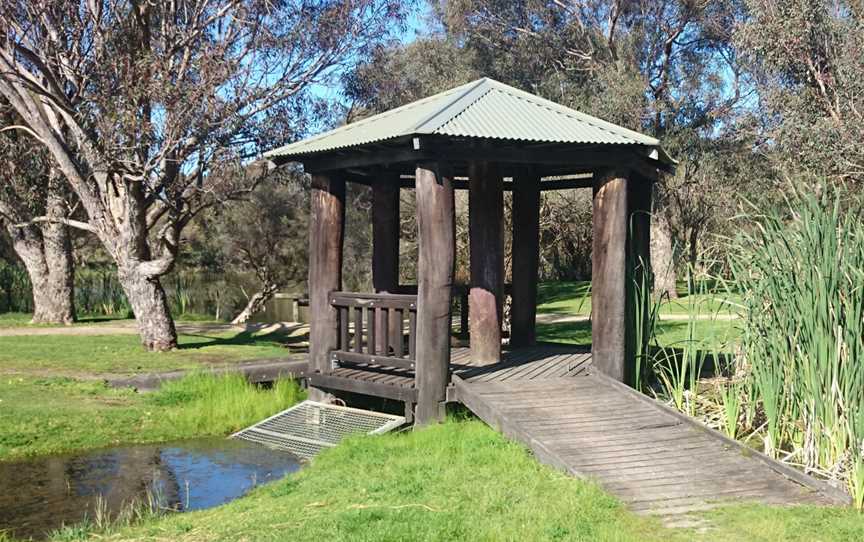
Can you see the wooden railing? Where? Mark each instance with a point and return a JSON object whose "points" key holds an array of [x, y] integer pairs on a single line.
{"points": [[372, 329]]}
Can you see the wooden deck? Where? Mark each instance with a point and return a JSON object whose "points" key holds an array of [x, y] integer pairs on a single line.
{"points": [[653, 458], [540, 362]]}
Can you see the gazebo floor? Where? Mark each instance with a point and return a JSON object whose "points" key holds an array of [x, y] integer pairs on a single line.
{"points": [[517, 364], [653, 458]]}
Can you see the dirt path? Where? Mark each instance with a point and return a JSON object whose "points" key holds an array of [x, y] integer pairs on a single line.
{"points": [[129, 328], [562, 318]]}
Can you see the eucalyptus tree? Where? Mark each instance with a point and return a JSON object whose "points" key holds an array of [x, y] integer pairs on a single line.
{"points": [[667, 67], [31, 187], [144, 107], [808, 59]]}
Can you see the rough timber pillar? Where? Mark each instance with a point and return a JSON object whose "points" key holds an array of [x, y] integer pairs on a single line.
{"points": [[436, 232], [326, 232], [385, 246], [609, 274], [526, 257], [639, 274], [486, 237]]}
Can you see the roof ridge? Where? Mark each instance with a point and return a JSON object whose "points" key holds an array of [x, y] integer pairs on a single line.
{"points": [[596, 122], [364, 121], [459, 104]]}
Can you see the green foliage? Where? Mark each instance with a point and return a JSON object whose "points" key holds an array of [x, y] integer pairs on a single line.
{"points": [[808, 57], [15, 290], [802, 276]]}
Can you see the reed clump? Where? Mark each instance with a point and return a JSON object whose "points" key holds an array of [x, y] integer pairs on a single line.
{"points": [[802, 278], [793, 385]]}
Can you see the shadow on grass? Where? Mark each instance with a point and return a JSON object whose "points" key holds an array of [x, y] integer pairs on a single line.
{"points": [[566, 332], [99, 319], [551, 292], [283, 336]]}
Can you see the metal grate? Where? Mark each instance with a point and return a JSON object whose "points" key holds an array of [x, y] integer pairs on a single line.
{"points": [[309, 427]]}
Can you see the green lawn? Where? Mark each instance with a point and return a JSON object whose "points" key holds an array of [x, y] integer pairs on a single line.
{"points": [[51, 415], [460, 481], [574, 298], [710, 334], [70, 355], [22, 319]]}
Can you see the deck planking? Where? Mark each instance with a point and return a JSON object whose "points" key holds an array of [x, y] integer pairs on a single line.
{"points": [[657, 461]]}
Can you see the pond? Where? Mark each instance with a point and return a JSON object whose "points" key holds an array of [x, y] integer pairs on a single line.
{"points": [[39, 496]]}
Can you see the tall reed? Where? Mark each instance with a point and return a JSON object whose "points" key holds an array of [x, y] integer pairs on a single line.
{"points": [[802, 278]]}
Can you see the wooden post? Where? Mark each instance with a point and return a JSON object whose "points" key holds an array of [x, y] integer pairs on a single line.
{"points": [[486, 237], [526, 257], [436, 232], [639, 276], [385, 250], [326, 232], [608, 273]]}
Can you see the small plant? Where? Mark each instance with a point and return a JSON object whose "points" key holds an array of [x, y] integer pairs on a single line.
{"points": [[730, 397]]}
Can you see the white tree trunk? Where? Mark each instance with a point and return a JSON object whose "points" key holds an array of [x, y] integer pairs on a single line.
{"points": [[256, 304], [47, 257], [662, 262], [150, 305]]}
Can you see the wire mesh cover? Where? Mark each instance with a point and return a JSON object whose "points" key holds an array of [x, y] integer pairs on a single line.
{"points": [[309, 427]]}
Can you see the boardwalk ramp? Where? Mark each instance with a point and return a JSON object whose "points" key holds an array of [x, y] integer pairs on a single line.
{"points": [[310, 427], [653, 458]]}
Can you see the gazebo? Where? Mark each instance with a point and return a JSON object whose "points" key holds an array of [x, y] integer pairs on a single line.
{"points": [[484, 137]]}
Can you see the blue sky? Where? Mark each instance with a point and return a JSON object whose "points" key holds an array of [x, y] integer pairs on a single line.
{"points": [[415, 26]]}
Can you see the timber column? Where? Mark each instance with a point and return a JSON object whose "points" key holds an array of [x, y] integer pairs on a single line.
{"points": [[486, 233], [526, 257], [385, 250], [436, 232], [608, 273], [326, 234]]}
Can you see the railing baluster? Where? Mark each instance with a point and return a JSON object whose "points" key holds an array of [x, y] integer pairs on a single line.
{"points": [[399, 345], [385, 331], [372, 339], [358, 330], [412, 334], [343, 328]]}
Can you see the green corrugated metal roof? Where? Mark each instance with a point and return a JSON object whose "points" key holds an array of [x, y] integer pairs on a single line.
{"points": [[484, 109]]}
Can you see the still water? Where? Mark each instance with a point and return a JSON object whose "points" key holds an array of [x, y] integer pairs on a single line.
{"points": [[38, 496]]}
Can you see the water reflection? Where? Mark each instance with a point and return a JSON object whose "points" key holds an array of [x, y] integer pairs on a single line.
{"points": [[39, 496]]}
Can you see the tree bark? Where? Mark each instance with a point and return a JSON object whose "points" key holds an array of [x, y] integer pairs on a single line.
{"points": [[57, 243], [46, 252], [662, 262], [150, 306]]}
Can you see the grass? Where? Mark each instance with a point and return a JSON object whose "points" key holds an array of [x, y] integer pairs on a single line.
{"points": [[74, 355], [574, 298], [22, 319], [51, 415], [719, 334], [469, 483]]}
